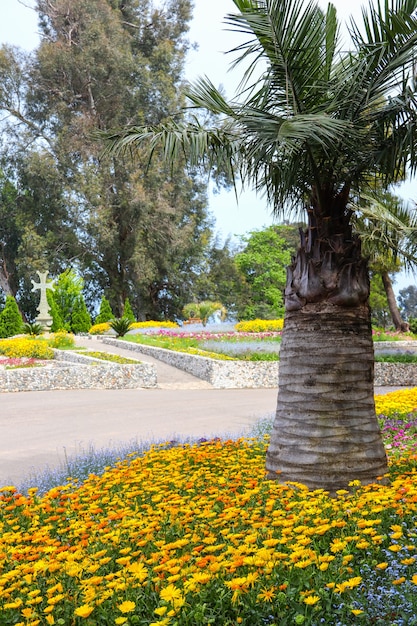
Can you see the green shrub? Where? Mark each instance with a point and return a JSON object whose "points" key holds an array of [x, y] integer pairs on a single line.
{"points": [[128, 311], [80, 317], [121, 326], [413, 325], [33, 328], [105, 313], [61, 340], [11, 322]]}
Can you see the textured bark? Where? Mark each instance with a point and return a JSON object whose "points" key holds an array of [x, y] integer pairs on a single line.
{"points": [[399, 323], [326, 433]]}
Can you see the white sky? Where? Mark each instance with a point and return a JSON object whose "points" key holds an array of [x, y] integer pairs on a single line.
{"points": [[18, 26]]}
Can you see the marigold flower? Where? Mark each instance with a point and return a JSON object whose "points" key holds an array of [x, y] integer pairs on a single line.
{"points": [[311, 600], [126, 607], [84, 610]]}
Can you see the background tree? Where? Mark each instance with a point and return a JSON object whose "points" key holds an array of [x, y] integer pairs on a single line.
{"points": [[263, 263], [388, 230], [311, 132], [380, 313], [407, 299], [132, 231]]}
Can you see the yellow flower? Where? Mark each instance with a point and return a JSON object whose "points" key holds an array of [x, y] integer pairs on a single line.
{"points": [[266, 595], [170, 593], [399, 581], [126, 606], [356, 611], [383, 565], [311, 600], [120, 620], [84, 610], [414, 579], [161, 610]]}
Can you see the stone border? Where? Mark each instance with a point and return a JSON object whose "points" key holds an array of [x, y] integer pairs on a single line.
{"points": [[79, 371], [253, 375]]}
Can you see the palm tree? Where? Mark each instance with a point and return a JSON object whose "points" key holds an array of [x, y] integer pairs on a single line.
{"points": [[308, 129], [388, 231]]}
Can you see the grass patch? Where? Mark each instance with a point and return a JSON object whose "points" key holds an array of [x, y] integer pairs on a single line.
{"points": [[113, 358], [396, 358]]}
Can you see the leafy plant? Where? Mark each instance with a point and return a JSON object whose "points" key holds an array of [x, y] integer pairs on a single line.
{"points": [[33, 328], [62, 340], [10, 319], [121, 326], [204, 310], [113, 358], [105, 313]]}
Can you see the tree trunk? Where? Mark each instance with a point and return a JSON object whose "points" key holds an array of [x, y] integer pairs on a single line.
{"points": [[399, 323], [326, 432]]}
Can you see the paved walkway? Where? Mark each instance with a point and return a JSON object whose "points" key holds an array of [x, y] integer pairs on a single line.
{"points": [[39, 428]]}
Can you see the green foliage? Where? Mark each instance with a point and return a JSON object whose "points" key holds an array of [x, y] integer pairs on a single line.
{"points": [[105, 313], [80, 317], [413, 324], [263, 264], [407, 300], [204, 310], [61, 340], [32, 328], [121, 326], [378, 301], [113, 358], [67, 305], [127, 311], [11, 322]]}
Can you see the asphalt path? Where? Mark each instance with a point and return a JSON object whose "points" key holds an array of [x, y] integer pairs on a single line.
{"points": [[40, 428]]}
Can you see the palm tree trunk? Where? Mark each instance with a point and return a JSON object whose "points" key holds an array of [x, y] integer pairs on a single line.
{"points": [[326, 433], [399, 323]]}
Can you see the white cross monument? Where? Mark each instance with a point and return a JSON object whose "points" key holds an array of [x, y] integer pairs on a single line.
{"points": [[44, 319]]}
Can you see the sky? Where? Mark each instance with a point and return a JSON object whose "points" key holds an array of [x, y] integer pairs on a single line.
{"points": [[18, 26]]}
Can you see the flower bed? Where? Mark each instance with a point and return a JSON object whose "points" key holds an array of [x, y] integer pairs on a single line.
{"points": [[194, 534]]}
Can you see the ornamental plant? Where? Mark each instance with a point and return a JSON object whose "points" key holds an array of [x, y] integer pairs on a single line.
{"points": [[105, 312], [33, 347], [260, 326], [11, 322]]}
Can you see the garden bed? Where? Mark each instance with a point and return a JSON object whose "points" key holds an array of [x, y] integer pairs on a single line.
{"points": [[72, 370], [246, 374]]}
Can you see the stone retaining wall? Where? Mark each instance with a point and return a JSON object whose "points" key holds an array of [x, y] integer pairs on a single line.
{"points": [[76, 371], [247, 374]]}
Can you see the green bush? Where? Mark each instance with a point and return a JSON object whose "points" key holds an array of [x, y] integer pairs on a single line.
{"points": [[33, 328], [413, 325], [61, 340], [80, 317], [128, 312], [105, 314], [121, 326], [11, 322]]}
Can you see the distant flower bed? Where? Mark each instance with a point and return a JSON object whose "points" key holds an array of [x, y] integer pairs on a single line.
{"points": [[379, 334], [33, 347], [194, 534], [100, 329], [259, 326]]}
